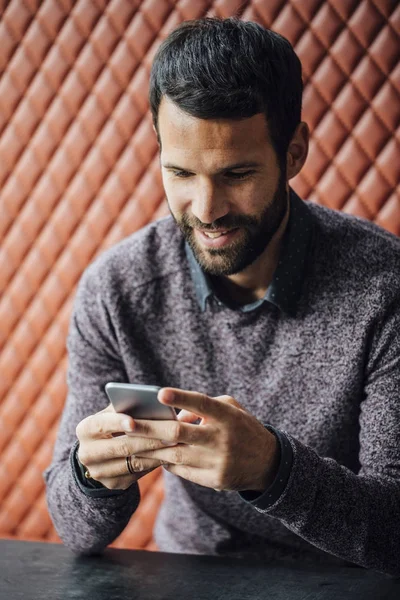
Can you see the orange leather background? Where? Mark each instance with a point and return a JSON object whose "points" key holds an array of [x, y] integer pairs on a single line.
{"points": [[79, 171]]}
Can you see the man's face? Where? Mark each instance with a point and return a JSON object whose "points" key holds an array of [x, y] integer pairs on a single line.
{"points": [[221, 174]]}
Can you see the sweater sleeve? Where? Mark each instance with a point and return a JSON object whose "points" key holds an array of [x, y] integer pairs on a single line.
{"points": [[355, 516], [87, 523], [269, 496]]}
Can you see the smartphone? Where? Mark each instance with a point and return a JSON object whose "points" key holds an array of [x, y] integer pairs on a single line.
{"points": [[138, 401]]}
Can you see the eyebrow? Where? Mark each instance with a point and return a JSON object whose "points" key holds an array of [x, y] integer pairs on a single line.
{"points": [[240, 165]]}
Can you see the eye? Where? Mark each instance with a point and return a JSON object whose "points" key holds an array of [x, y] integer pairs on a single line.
{"points": [[182, 174], [236, 175]]}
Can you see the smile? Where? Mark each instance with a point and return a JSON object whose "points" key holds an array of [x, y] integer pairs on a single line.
{"points": [[216, 239]]}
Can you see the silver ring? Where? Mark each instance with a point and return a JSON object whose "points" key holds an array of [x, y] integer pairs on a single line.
{"points": [[129, 465]]}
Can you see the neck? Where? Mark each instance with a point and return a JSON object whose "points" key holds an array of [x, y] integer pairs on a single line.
{"points": [[252, 284]]}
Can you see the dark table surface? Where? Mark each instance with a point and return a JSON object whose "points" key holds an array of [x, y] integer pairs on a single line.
{"points": [[35, 571]]}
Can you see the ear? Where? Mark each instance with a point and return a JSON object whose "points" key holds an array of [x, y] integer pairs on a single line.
{"points": [[298, 150]]}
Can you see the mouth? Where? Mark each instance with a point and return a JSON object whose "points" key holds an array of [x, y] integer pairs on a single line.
{"points": [[217, 238]]}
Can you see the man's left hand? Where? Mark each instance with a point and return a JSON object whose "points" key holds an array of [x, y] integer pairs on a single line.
{"points": [[229, 450]]}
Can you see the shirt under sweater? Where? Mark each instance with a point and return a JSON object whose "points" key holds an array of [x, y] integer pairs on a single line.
{"points": [[317, 359]]}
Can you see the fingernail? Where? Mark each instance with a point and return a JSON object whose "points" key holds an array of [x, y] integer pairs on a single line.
{"points": [[127, 425]]}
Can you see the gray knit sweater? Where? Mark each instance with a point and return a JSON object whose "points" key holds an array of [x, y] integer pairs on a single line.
{"points": [[322, 367]]}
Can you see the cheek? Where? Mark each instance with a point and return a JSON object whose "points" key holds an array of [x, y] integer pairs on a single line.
{"points": [[168, 187], [264, 190], [249, 197], [177, 195]]}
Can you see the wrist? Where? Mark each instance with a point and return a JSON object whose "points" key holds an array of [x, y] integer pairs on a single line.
{"points": [[271, 462]]}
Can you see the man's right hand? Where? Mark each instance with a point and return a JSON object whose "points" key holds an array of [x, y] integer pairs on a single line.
{"points": [[105, 443]]}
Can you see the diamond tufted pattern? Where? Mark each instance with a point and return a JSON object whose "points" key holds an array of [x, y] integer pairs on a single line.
{"points": [[79, 171]]}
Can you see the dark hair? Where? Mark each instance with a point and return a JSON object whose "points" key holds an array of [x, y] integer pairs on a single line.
{"points": [[228, 68]]}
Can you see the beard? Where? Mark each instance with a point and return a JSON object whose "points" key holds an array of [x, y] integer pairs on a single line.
{"points": [[254, 238]]}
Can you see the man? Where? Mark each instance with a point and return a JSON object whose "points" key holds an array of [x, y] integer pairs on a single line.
{"points": [[280, 334]]}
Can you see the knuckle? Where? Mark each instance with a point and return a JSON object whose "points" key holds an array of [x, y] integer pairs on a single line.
{"points": [[123, 450], [83, 457], [225, 439], [221, 474], [111, 451], [137, 464], [203, 403], [178, 455], [81, 428], [219, 483], [230, 400], [95, 473], [225, 464], [154, 444], [98, 427], [189, 436], [186, 473], [176, 431], [112, 484], [78, 430]]}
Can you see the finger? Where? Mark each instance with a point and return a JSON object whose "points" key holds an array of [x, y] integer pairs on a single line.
{"points": [[181, 455], [178, 455], [185, 416], [173, 432], [119, 468], [119, 483], [124, 482], [195, 402], [195, 475], [104, 424], [231, 401], [99, 451]]}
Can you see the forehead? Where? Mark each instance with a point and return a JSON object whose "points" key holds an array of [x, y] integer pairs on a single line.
{"points": [[181, 133]]}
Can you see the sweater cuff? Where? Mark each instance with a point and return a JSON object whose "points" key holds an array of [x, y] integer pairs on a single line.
{"points": [[267, 498], [90, 487]]}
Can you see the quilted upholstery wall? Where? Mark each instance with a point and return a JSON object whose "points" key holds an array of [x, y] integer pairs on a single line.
{"points": [[79, 171]]}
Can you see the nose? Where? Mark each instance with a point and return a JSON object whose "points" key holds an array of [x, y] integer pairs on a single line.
{"points": [[208, 203]]}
